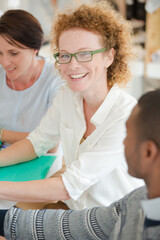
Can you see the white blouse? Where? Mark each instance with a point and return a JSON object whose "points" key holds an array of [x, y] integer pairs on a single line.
{"points": [[96, 171]]}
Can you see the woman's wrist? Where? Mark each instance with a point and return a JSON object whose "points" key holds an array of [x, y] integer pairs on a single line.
{"points": [[1, 132]]}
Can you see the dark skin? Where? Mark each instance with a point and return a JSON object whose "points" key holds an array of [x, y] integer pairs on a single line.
{"points": [[142, 156]]}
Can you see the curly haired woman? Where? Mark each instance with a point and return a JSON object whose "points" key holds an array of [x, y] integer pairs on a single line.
{"points": [[92, 48]]}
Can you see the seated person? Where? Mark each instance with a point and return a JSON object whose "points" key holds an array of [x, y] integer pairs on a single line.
{"points": [[28, 82], [93, 45], [136, 216]]}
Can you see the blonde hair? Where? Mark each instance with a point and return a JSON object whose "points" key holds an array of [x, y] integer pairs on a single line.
{"points": [[100, 17]]}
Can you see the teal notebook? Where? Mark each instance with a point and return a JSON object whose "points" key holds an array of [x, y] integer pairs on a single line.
{"points": [[33, 170]]}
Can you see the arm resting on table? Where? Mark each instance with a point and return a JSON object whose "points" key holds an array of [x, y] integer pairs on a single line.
{"points": [[51, 189], [20, 151], [13, 136], [88, 224]]}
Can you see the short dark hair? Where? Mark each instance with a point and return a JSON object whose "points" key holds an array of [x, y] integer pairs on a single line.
{"points": [[19, 26], [148, 118]]}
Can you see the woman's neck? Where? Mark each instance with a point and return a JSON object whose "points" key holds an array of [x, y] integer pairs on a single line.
{"points": [[94, 100]]}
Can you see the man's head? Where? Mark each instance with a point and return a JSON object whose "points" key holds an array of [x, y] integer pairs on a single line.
{"points": [[142, 143]]}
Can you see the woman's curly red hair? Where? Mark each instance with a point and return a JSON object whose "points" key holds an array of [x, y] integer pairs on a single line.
{"points": [[100, 17]]}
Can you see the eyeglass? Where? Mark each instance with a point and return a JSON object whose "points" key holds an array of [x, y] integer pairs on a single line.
{"points": [[85, 56]]}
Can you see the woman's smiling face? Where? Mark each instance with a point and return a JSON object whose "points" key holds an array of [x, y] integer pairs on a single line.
{"points": [[16, 61], [83, 76]]}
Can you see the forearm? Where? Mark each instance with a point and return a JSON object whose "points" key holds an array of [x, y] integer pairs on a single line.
{"points": [[47, 190], [13, 136], [57, 224], [20, 151]]}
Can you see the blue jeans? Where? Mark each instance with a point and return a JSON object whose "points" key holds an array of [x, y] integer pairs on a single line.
{"points": [[2, 216]]}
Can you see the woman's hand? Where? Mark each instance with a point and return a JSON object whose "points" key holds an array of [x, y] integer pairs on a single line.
{"points": [[18, 152], [11, 137]]}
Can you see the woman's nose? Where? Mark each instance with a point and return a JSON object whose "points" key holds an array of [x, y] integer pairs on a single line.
{"points": [[73, 62]]}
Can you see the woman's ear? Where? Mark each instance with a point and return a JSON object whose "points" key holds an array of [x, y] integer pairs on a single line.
{"points": [[109, 58], [36, 52]]}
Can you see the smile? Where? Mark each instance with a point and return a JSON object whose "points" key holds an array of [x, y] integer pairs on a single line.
{"points": [[11, 69], [75, 76]]}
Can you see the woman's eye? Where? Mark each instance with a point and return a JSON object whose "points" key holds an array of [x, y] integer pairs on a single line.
{"points": [[14, 53], [64, 56], [84, 54]]}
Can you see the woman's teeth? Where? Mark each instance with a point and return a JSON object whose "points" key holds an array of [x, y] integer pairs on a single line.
{"points": [[11, 69], [78, 75]]}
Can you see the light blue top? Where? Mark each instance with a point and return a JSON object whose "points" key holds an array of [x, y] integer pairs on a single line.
{"points": [[23, 110]]}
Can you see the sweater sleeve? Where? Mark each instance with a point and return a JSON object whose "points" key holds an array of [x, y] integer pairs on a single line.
{"points": [[94, 223]]}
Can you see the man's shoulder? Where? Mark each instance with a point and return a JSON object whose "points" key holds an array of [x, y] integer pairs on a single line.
{"points": [[137, 194]]}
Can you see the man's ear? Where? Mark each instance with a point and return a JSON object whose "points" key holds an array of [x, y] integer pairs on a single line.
{"points": [[150, 150], [109, 57]]}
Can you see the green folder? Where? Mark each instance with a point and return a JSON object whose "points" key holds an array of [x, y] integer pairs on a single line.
{"points": [[35, 169]]}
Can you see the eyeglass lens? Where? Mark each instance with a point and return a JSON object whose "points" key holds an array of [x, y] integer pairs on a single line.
{"points": [[81, 57]]}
